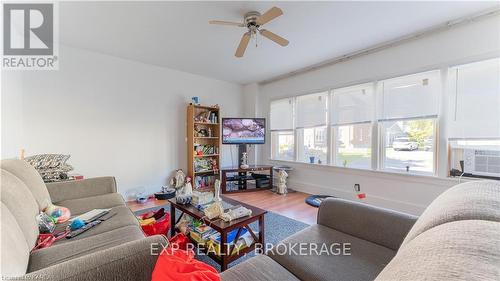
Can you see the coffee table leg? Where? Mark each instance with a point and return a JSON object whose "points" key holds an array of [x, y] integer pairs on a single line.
{"points": [[261, 231], [172, 220], [223, 254]]}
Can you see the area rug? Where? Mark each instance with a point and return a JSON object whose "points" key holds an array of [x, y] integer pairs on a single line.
{"points": [[276, 228]]}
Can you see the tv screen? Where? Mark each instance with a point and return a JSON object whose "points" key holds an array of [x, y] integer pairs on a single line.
{"points": [[243, 130]]}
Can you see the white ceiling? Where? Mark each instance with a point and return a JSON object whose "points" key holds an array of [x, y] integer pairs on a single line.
{"points": [[177, 34]]}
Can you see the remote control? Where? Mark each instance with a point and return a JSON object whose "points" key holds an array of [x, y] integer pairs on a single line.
{"points": [[83, 229]]}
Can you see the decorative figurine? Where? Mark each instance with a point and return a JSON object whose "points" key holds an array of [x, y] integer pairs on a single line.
{"points": [[282, 175], [183, 186], [217, 190], [179, 179], [213, 165], [244, 161]]}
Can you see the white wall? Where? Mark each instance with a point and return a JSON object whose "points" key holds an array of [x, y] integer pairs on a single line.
{"points": [[464, 43], [114, 116]]}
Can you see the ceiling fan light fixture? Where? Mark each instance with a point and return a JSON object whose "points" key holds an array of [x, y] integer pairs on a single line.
{"points": [[253, 21]]}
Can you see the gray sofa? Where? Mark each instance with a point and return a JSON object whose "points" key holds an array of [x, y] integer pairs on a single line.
{"points": [[114, 250], [456, 238]]}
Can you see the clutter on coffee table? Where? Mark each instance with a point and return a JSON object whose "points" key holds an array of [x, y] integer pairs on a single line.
{"points": [[208, 234]]}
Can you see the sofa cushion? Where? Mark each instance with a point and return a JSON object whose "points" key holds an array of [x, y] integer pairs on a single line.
{"points": [[261, 268], [477, 200], [83, 205], [30, 177], [460, 250], [366, 261], [15, 251], [18, 199], [118, 217], [61, 252]]}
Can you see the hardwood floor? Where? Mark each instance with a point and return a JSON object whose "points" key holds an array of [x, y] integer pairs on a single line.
{"points": [[291, 205]]}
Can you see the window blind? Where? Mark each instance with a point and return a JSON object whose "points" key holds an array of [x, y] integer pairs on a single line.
{"points": [[475, 99], [410, 97], [281, 114], [311, 110], [352, 105]]}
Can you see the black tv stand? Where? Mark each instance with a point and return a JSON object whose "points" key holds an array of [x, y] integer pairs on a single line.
{"points": [[256, 177]]}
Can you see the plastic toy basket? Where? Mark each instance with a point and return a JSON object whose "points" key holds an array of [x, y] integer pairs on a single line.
{"points": [[161, 226]]}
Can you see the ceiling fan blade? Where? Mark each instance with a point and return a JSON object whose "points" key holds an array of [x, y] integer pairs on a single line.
{"points": [[221, 22], [271, 14], [276, 38], [243, 45]]}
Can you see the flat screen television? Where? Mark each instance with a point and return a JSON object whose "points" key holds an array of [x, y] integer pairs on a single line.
{"points": [[243, 130]]}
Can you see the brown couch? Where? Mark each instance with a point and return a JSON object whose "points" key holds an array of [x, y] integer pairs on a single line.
{"points": [[114, 250], [456, 238]]}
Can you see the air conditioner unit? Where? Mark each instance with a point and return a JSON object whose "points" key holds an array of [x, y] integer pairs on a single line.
{"points": [[482, 162]]}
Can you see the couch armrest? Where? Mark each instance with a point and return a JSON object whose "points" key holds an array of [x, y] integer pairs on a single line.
{"points": [[131, 261], [378, 225], [60, 191]]}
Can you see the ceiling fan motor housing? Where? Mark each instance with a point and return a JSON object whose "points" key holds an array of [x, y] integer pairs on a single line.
{"points": [[251, 19]]}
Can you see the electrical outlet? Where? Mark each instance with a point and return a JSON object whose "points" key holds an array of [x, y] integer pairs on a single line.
{"points": [[357, 187]]}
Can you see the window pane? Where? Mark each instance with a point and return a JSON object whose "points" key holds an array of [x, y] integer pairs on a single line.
{"points": [[283, 145], [281, 114], [311, 110], [475, 90], [352, 104], [353, 146], [312, 145], [409, 145], [410, 96]]}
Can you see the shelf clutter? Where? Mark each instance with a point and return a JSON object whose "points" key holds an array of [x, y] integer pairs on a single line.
{"points": [[204, 140]]}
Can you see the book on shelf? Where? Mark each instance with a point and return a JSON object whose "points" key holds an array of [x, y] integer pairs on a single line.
{"points": [[200, 149], [202, 181]]}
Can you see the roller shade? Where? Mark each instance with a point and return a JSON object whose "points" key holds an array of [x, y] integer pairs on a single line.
{"points": [[475, 99], [412, 96], [311, 110], [352, 105], [281, 114]]}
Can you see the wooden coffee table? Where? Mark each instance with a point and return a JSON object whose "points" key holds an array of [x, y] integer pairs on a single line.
{"points": [[224, 228]]}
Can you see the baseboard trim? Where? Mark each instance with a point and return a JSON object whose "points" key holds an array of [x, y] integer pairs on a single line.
{"points": [[408, 207]]}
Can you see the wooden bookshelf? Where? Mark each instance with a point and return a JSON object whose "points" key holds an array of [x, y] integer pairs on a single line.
{"points": [[203, 134]]}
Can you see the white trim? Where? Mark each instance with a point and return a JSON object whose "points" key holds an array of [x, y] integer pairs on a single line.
{"points": [[383, 174], [308, 187]]}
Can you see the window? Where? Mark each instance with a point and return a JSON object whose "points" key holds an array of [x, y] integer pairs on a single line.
{"points": [[311, 118], [283, 145], [351, 120], [281, 126], [409, 145], [474, 120], [313, 145], [407, 120], [392, 124], [475, 99]]}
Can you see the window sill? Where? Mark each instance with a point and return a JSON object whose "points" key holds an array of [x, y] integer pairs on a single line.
{"points": [[378, 173]]}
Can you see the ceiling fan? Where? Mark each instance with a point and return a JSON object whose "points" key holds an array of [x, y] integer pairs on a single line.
{"points": [[254, 21]]}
